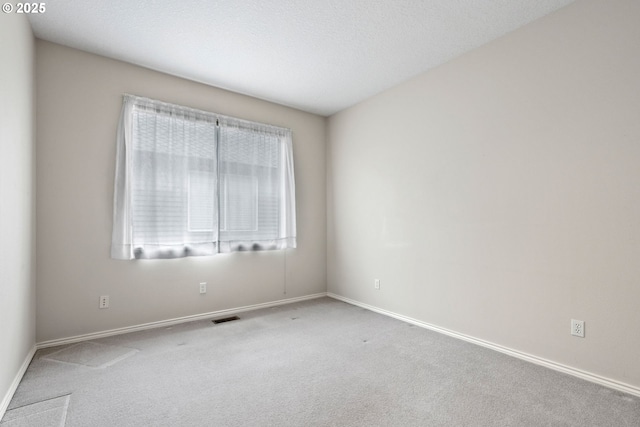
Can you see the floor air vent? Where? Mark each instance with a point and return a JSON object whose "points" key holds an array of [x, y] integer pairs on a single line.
{"points": [[225, 319]]}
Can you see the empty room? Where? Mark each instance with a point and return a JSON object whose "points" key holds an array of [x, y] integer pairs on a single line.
{"points": [[320, 213]]}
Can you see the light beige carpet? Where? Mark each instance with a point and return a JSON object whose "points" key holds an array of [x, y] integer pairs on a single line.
{"points": [[91, 354], [316, 363], [50, 412]]}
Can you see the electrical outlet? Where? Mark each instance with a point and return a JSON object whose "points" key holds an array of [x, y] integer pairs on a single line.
{"points": [[376, 284], [203, 287], [577, 328], [104, 301]]}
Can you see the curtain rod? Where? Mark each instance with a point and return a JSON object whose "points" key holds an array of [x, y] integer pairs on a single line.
{"points": [[217, 116]]}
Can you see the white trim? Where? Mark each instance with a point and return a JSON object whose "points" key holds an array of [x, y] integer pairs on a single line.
{"points": [[169, 322], [607, 382], [16, 381]]}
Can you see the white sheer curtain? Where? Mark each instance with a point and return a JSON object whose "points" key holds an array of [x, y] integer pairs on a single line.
{"points": [[192, 183], [256, 187]]}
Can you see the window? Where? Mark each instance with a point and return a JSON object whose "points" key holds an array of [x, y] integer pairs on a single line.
{"points": [[194, 183]]}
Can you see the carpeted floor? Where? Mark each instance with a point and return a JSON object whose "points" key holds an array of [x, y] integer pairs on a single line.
{"points": [[316, 363]]}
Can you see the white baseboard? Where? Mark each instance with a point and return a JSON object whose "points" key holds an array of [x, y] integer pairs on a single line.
{"points": [[16, 381], [178, 320], [607, 382]]}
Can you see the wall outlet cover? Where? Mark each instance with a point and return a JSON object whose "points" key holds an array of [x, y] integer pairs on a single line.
{"points": [[577, 328], [104, 301]]}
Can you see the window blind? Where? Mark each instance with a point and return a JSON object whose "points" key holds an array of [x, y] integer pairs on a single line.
{"points": [[192, 183]]}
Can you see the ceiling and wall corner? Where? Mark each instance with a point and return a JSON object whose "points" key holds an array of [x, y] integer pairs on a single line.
{"points": [[317, 56]]}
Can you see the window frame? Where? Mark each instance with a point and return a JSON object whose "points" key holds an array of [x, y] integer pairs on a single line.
{"points": [[283, 235]]}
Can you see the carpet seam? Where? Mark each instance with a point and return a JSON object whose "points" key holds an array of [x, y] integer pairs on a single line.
{"points": [[41, 401], [65, 406]]}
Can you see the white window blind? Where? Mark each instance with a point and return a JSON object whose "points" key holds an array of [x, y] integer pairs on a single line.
{"points": [[193, 183], [202, 201]]}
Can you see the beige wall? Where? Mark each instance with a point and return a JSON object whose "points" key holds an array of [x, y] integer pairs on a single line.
{"points": [[499, 195], [79, 98], [17, 196]]}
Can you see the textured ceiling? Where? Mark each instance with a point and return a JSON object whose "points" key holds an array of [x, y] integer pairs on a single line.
{"points": [[316, 55]]}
